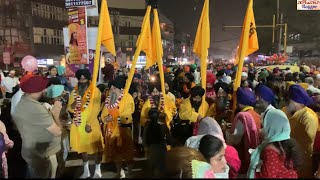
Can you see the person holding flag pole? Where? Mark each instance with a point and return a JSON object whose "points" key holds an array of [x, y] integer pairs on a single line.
{"points": [[244, 132], [85, 133], [195, 108]]}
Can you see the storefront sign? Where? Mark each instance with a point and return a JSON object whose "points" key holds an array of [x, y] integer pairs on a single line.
{"points": [[308, 5], [45, 62], [79, 3]]}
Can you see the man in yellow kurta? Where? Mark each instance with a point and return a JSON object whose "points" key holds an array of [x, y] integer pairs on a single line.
{"points": [[157, 99], [189, 109], [304, 125], [117, 116], [85, 132]]}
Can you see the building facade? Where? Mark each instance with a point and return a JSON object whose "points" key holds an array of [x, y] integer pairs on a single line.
{"points": [[126, 18], [35, 27], [32, 27]]}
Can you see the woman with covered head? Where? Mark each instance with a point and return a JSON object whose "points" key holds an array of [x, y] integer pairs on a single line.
{"points": [[278, 155], [244, 132], [64, 81], [210, 126]]}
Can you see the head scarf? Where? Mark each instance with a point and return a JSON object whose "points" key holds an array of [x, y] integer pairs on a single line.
{"points": [[210, 126], [245, 96], [61, 70], [277, 128], [265, 93], [299, 95], [83, 72], [207, 126], [202, 169], [54, 91]]}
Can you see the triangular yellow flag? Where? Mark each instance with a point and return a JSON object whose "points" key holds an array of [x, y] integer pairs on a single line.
{"points": [[143, 34], [248, 45], [107, 35], [202, 43], [251, 44], [147, 45]]}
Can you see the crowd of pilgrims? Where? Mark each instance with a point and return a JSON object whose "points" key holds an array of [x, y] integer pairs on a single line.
{"points": [[273, 133]]}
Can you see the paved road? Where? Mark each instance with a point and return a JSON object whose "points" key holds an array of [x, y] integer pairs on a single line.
{"points": [[74, 168]]}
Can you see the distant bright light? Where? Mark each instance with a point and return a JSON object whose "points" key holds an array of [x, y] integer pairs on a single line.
{"points": [[184, 59], [246, 58]]}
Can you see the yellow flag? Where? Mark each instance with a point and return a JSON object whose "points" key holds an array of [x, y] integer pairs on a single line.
{"points": [[107, 35], [202, 43], [251, 44], [248, 45], [143, 34], [147, 46], [158, 52]]}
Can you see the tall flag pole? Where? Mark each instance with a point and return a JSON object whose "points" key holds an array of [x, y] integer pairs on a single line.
{"points": [[248, 45], [141, 39], [202, 44]]}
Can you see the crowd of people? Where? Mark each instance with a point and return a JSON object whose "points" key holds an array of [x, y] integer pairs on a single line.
{"points": [[274, 131]]}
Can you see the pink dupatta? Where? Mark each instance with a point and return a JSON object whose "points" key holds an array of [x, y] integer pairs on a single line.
{"points": [[250, 139]]}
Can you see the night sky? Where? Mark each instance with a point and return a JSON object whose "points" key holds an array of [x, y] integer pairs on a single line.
{"points": [[222, 12]]}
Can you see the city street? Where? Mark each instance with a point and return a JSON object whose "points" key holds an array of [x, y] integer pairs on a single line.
{"points": [[74, 168]]}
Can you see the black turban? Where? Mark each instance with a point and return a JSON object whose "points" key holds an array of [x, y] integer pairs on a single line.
{"points": [[83, 72], [137, 76], [220, 73], [190, 77], [153, 85], [119, 82], [197, 91], [223, 86]]}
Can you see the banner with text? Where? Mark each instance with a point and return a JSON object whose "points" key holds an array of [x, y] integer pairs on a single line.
{"points": [[78, 47], [308, 5]]}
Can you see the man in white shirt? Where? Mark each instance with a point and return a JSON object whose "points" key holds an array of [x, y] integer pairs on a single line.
{"points": [[310, 82], [9, 83]]}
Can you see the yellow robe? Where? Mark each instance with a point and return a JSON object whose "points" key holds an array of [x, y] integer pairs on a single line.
{"points": [[169, 109], [187, 112], [304, 125], [126, 109], [125, 151], [94, 142]]}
